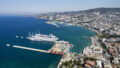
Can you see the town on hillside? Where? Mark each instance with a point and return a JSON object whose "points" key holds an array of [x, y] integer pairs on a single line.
{"points": [[104, 51]]}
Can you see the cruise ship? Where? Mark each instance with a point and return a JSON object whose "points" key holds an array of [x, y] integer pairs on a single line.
{"points": [[42, 37]]}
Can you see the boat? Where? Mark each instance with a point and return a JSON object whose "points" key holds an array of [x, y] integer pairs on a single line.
{"points": [[8, 45], [21, 37], [17, 36], [42, 37]]}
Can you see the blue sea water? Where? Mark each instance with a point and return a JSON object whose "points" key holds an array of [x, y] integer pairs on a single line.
{"points": [[10, 26]]}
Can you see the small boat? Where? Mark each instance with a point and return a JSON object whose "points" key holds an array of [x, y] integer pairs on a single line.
{"points": [[21, 37], [8, 45], [17, 36]]}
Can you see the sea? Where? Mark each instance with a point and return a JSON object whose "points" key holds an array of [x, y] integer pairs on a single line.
{"points": [[12, 26]]}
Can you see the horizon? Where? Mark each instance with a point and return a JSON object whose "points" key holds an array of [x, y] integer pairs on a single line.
{"points": [[23, 13], [46, 6]]}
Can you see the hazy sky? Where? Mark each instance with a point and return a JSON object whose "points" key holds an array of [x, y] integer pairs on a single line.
{"points": [[40, 6]]}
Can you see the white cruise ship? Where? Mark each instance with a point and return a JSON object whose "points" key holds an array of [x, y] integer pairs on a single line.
{"points": [[41, 37]]}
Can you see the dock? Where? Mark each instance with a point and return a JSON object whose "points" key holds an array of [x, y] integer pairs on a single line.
{"points": [[28, 48], [59, 48]]}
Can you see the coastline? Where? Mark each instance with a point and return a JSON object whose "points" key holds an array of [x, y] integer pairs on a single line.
{"points": [[104, 46], [55, 23], [62, 58]]}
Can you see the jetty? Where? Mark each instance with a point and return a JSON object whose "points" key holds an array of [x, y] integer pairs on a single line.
{"points": [[28, 48], [59, 48]]}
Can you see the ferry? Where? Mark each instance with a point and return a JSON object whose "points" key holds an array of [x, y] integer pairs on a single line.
{"points": [[42, 37]]}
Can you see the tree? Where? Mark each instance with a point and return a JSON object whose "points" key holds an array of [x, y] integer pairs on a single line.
{"points": [[90, 58]]}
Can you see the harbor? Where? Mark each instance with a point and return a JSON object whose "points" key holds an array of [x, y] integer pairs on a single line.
{"points": [[37, 59]]}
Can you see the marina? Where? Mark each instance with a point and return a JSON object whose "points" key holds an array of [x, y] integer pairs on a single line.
{"points": [[53, 23]]}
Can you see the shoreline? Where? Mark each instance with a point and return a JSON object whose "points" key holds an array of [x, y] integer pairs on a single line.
{"points": [[61, 60], [54, 23]]}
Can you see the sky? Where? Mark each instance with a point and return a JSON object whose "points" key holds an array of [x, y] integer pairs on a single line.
{"points": [[43, 6]]}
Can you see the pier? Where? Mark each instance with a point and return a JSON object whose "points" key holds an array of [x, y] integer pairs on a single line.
{"points": [[28, 48], [59, 48]]}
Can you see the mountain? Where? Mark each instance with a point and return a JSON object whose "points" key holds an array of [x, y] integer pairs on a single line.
{"points": [[101, 10]]}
